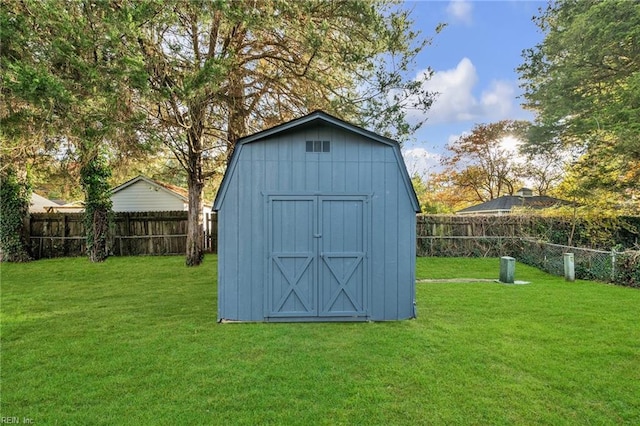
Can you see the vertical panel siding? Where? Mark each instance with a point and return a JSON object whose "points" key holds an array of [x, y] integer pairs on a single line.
{"points": [[377, 292], [355, 165], [245, 252], [390, 240], [257, 236], [406, 264], [228, 249]]}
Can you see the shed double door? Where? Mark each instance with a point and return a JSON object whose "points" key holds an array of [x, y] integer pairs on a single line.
{"points": [[317, 254]]}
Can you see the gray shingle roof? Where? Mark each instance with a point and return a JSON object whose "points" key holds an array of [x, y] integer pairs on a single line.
{"points": [[507, 202]]}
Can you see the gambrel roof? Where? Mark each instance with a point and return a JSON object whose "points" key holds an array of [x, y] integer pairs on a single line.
{"points": [[312, 119]]}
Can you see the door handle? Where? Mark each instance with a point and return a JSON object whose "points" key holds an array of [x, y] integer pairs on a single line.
{"points": [[317, 235]]}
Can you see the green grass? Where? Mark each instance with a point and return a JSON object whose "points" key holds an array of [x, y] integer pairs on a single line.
{"points": [[135, 341], [447, 268]]}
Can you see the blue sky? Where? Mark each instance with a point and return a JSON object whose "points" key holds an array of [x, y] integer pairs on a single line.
{"points": [[474, 59]]}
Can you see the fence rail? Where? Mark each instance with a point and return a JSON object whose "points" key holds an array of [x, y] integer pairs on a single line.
{"points": [[491, 236], [156, 233], [131, 233], [589, 263], [464, 246]]}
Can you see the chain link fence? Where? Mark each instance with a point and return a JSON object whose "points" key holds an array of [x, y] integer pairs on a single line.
{"points": [[610, 266], [589, 264]]}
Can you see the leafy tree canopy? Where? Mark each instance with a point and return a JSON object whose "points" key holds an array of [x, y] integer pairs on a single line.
{"points": [[583, 81], [71, 82], [479, 163], [218, 71], [198, 75]]}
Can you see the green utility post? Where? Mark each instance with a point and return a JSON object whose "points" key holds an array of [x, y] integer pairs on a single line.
{"points": [[507, 269]]}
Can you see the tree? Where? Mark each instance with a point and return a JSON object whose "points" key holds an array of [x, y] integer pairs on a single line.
{"points": [[220, 70], [69, 78], [14, 208], [22, 132], [600, 191], [480, 165], [543, 166], [437, 195], [95, 175], [583, 82]]}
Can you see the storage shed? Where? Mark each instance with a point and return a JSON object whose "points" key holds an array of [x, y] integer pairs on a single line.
{"points": [[316, 222]]}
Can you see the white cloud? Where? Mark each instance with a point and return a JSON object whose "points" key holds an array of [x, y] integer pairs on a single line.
{"points": [[420, 162], [497, 101], [456, 101], [454, 138], [460, 10]]}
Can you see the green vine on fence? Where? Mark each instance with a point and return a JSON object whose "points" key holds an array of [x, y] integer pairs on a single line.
{"points": [[628, 269], [539, 241], [14, 203], [95, 175]]}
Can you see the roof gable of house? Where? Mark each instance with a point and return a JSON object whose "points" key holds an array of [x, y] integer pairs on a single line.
{"points": [[40, 204], [173, 190]]}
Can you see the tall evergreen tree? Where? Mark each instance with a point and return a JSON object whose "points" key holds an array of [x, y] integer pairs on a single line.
{"points": [[221, 70], [203, 74], [69, 78]]}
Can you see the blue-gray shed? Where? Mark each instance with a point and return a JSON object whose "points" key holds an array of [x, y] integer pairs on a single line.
{"points": [[316, 222]]}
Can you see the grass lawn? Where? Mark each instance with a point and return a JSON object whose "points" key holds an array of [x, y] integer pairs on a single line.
{"points": [[135, 341]]}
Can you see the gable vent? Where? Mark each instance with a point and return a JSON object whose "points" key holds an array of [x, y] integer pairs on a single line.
{"points": [[318, 146]]}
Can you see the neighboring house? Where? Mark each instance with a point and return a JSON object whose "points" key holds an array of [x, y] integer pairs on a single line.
{"points": [[73, 207], [40, 204], [142, 194], [507, 204], [317, 222]]}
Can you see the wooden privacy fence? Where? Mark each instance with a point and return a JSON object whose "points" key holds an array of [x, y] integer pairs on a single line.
{"points": [[131, 233], [158, 233], [472, 226], [155, 233], [451, 232], [469, 236]]}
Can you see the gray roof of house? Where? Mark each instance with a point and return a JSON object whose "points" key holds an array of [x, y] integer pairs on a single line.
{"points": [[507, 202]]}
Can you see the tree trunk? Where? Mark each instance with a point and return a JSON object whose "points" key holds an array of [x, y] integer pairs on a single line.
{"points": [[195, 182], [195, 252], [95, 174], [236, 116], [99, 250]]}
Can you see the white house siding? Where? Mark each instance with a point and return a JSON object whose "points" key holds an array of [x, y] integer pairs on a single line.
{"points": [[141, 196]]}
